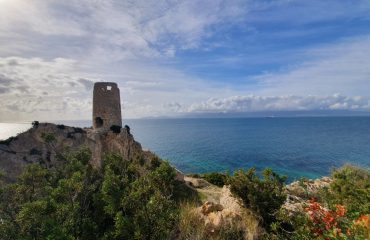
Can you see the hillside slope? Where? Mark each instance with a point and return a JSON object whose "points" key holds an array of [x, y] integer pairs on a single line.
{"points": [[45, 142]]}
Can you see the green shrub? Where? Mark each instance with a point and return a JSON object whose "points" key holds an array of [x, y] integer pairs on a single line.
{"points": [[35, 124], [76, 201], [218, 179], [264, 196], [127, 129], [232, 231], [154, 163], [141, 207], [350, 187], [48, 137], [341, 212]]}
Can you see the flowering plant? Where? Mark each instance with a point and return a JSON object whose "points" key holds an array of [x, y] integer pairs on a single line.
{"points": [[334, 224]]}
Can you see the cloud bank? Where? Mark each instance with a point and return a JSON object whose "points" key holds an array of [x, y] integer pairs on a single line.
{"points": [[176, 57], [34, 87], [240, 104]]}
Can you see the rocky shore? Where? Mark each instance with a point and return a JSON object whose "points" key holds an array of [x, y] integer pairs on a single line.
{"points": [[220, 207]]}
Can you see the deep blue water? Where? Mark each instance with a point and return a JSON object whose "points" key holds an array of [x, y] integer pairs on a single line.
{"points": [[297, 147]]}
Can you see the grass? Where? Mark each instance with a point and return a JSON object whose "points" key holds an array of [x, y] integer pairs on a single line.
{"points": [[192, 226]]}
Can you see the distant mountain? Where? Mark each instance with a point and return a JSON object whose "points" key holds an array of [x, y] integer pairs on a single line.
{"points": [[310, 113]]}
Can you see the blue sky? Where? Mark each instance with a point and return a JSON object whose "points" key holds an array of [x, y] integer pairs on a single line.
{"points": [[172, 58]]}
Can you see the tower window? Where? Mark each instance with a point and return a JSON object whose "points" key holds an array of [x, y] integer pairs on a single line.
{"points": [[98, 122]]}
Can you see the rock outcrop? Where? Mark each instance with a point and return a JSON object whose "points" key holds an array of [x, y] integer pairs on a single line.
{"points": [[196, 182], [209, 207], [299, 192], [217, 215], [305, 188], [228, 201], [43, 142], [121, 143]]}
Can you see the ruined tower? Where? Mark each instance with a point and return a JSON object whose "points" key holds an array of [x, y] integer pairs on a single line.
{"points": [[106, 106]]}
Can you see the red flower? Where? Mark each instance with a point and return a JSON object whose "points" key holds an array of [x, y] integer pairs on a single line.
{"points": [[363, 220], [341, 210], [325, 220]]}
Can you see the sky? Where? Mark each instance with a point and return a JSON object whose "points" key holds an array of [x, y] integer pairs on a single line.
{"points": [[176, 58]]}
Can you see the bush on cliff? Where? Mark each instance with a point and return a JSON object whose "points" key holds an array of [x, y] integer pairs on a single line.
{"points": [[264, 196], [340, 212], [76, 201], [218, 179], [35, 124], [141, 207], [350, 187]]}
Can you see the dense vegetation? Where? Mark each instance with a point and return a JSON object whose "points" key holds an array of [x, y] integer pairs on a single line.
{"points": [[341, 211], [124, 200], [142, 200], [264, 196]]}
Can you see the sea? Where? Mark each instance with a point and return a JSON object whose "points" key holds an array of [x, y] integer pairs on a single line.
{"points": [[309, 147]]}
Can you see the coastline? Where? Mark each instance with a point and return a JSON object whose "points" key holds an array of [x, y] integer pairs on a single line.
{"points": [[294, 147]]}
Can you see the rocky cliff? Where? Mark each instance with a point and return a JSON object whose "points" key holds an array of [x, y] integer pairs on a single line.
{"points": [[46, 142]]}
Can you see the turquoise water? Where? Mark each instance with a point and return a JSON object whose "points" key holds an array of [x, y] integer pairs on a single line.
{"points": [[298, 147]]}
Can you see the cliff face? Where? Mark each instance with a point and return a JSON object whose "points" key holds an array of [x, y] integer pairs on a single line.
{"points": [[121, 143], [43, 142]]}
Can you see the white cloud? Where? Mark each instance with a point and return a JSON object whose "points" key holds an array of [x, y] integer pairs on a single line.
{"points": [[251, 103], [338, 67], [35, 88], [113, 30], [34, 16], [51, 51]]}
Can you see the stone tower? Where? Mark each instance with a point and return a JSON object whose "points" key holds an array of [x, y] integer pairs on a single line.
{"points": [[106, 106]]}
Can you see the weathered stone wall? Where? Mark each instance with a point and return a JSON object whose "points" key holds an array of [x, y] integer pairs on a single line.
{"points": [[106, 106]]}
